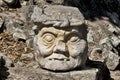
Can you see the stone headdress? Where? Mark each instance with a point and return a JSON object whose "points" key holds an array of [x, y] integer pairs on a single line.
{"points": [[57, 16]]}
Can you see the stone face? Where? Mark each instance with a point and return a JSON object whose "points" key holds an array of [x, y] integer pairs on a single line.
{"points": [[60, 49], [56, 47]]}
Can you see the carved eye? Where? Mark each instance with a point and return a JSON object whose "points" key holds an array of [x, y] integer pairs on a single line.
{"points": [[74, 38], [48, 38]]}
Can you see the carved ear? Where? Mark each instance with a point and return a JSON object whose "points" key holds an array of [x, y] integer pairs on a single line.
{"points": [[35, 46], [35, 41]]}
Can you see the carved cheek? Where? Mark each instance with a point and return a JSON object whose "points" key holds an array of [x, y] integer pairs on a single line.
{"points": [[45, 51], [76, 48]]}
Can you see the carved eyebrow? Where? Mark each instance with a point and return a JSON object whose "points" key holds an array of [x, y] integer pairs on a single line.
{"points": [[72, 32], [48, 31]]}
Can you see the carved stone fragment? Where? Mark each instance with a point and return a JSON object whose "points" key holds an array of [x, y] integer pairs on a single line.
{"points": [[112, 61], [61, 43]]}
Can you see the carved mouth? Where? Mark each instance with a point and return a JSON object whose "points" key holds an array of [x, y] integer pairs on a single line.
{"points": [[62, 59]]}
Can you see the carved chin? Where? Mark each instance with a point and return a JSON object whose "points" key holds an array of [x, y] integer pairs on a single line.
{"points": [[59, 65]]}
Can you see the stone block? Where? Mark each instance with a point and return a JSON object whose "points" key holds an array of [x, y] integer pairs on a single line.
{"points": [[31, 71]]}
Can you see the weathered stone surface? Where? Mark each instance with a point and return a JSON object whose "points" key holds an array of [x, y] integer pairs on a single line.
{"points": [[27, 57], [96, 54], [115, 74], [103, 37], [56, 47], [107, 35], [9, 3], [1, 22], [113, 61], [31, 71], [4, 60], [29, 42], [56, 53], [43, 2], [61, 16], [16, 24], [19, 34]]}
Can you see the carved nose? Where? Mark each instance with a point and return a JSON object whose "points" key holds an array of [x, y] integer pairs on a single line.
{"points": [[60, 47]]}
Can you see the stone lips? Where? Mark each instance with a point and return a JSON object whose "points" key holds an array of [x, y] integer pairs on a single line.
{"points": [[57, 16]]}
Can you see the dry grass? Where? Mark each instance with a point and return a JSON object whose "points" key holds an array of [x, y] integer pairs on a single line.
{"points": [[13, 49]]}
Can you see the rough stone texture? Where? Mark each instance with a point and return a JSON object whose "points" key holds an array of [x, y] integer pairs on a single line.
{"points": [[4, 60], [115, 75], [15, 22], [9, 3], [60, 16], [108, 37], [97, 32], [113, 61], [1, 22], [31, 71], [42, 2], [62, 52], [61, 40]]}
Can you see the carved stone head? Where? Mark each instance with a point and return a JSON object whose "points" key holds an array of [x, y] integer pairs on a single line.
{"points": [[61, 43]]}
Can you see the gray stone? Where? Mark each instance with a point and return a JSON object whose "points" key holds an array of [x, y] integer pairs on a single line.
{"points": [[90, 36], [115, 41], [27, 56], [62, 16], [5, 60], [19, 31], [115, 74], [96, 54], [1, 22], [7, 3], [27, 34], [112, 61], [51, 21], [106, 36], [31, 72], [29, 42], [10, 27], [19, 34], [106, 41], [2, 3], [91, 74], [114, 18], [43, 2]]}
